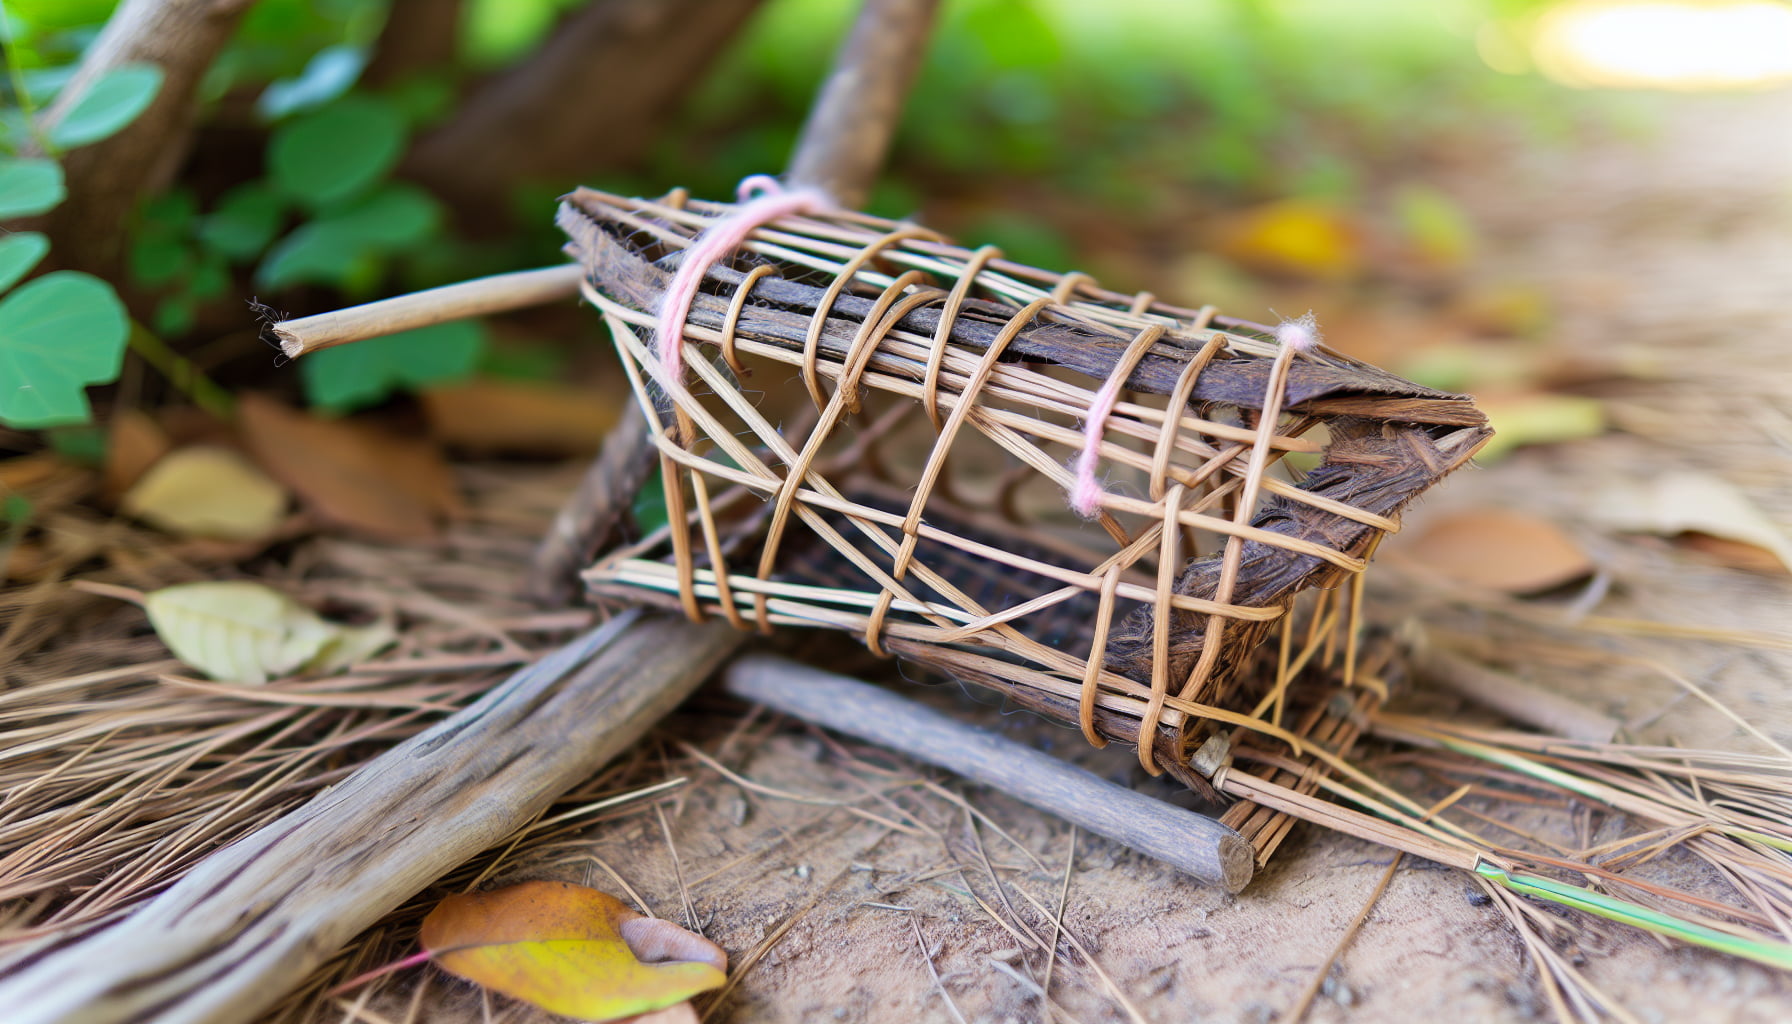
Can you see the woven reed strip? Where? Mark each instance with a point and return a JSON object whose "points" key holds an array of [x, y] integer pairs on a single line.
{"points": [[879, 324]]}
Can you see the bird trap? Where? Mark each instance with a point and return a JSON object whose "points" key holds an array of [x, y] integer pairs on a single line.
{"points": [[877, 431]]}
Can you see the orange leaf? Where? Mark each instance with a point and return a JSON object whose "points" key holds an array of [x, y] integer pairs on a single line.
{"points": [[570, 950], [1494, 550], [507, 416]]}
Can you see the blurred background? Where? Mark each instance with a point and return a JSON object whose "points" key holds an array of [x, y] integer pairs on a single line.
{"points": [[1357, 159]]}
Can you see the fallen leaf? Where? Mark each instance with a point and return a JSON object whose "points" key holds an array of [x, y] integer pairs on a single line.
{"points": [[248, 633], [1680, 503], [353, 474], [509, 416], [1536, 418], [1294, 236], [207, 491], [133, 444], [570, 950], [1493, 549]]}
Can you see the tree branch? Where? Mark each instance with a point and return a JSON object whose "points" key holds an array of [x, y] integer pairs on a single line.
{"points": [[107, 179], [596, 93], [849, 129]]}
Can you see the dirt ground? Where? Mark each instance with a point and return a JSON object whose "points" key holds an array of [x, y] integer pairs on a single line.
{"points": [[1665, 250]]}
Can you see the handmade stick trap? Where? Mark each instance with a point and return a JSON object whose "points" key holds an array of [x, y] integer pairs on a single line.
{"points": [[1086, 501]]}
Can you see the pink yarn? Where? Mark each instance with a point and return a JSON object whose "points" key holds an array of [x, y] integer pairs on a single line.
{"points": [[1085, 493], [763, 200], [1296, 337]]}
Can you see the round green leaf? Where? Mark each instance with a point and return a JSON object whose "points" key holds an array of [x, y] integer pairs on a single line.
{"points": [[29, 187], [331, 154], [58, 334], [321, 252], [398, 215], [111, 102], [246, 220], [20, 252], [351, 376]]}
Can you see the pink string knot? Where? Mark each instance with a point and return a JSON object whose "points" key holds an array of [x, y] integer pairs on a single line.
{"points": [[1296, 337], [762, 201]]}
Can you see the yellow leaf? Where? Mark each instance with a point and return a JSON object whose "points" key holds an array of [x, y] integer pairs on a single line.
{"points": [[1295, 236], [207, 491], [570, 950], [247, 633], [1538, 419]]}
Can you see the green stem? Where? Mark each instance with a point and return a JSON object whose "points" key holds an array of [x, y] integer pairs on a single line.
{"points": [[1762, 951], [180, 371], [17, 75]]}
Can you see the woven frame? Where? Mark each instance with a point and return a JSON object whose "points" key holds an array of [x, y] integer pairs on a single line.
{"points": [[944, 393]]}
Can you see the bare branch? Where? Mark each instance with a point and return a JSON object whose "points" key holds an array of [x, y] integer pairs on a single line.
{"points": [[106, 179], [596, 93], [850, 126]]}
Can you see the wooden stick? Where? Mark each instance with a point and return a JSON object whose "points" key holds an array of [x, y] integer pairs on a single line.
{"points": [[851, 124], [247, 924], [478, 297], [1183, 839]]}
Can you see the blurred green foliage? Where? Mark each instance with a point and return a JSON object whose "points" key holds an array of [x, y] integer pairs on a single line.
{"points": [[1116, 107]]}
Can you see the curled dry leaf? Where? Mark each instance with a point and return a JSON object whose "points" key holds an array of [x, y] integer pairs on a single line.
{"points": [[247, 633], [1694, 503], [571, 950], [207, 491], [1493, 549]]}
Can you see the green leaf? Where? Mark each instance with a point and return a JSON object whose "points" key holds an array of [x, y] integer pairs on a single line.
{"points": [[58, 334], [18, 254], [29, 187], [329, 74], [397, 215], [113, 101], [321, 252], [334, 249], [333, 153], [351, 376], [246, 220]]}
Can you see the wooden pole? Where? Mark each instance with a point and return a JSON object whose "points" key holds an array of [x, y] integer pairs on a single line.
{"points": [[1182, 839], [852, 122], [252, 920]]}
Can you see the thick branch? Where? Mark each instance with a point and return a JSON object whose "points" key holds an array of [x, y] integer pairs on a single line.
{"points": [[419, 35], [595, 94], [252, 920], [850, 126], [106, 179]]}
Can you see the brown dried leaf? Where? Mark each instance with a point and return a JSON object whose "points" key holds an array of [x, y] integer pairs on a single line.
{"points": [[352, 474], [133, 444], [1692, 503], [1493, 549]]}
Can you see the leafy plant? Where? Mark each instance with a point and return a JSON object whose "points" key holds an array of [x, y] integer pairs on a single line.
{"points": [[66, 330]]}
